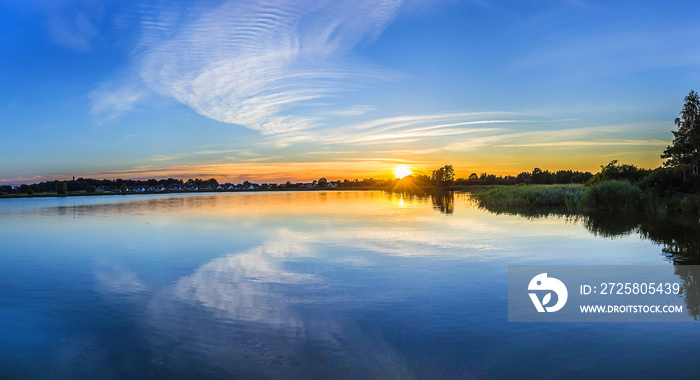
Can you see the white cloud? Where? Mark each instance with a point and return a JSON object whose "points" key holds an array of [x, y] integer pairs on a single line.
{"points": [[73, 25], [564, 144], [251, 63], [113, 99], [352, 111], [403, 129], [75, 34]]}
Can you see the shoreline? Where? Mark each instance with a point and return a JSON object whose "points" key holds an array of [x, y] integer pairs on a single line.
{"points": [[611, 195], [55, 195]]}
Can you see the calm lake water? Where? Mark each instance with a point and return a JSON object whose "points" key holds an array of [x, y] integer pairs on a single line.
{"points": [[314, 285]]}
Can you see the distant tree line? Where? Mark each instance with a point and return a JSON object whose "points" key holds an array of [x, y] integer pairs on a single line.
{"points": [[92, 186], [660, 179], [442, 178], [86, 185], [536, 176]]}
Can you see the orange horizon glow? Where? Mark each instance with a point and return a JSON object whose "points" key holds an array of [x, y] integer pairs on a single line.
{"points": [[378, 168]]}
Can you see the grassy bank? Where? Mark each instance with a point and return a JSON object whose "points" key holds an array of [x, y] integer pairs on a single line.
{"points": [[606, 195]]}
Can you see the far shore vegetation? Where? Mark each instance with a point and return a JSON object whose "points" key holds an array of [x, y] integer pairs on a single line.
{"points": [[673, 187]]}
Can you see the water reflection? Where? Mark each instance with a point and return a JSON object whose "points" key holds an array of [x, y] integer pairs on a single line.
{"points": [[247, 286], [116, 279], [340, 284], [677, 234], [443, 201], [249, 314]]}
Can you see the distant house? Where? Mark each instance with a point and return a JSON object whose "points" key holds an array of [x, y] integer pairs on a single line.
{"points": [[332, 185], [104, 189]]}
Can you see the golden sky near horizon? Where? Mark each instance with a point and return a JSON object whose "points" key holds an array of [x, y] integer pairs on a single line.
{"points": [[582, 156]]}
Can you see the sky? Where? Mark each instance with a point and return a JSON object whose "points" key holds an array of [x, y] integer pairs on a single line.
{"points": [[271, 91]]}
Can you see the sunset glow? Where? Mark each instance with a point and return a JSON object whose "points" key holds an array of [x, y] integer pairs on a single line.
{"points": [[226, 92], [402, 171], [346, 188]]}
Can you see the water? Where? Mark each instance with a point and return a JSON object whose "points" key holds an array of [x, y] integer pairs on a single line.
{"points": [[313, 285]]}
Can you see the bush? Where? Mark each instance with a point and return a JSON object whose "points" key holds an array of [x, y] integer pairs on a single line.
{"points": [[665, 181], [614, 171], [530, 196], [613, 195]]}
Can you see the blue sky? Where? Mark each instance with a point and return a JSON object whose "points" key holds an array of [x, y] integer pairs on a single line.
{"points": [[295, 90]]}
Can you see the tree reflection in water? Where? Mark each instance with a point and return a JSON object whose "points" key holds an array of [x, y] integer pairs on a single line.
{"points": [[444, 201], [677, 234]]}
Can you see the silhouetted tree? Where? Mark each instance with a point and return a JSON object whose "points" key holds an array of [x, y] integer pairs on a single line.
{"points": [[684, 152], [523, 177], [61, 188], [541, 176], [615, 171], [444, 176], [212, 183], [421, 179]]}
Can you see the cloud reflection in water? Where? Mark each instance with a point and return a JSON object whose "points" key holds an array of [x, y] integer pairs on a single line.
{"points": [[250, 315]]}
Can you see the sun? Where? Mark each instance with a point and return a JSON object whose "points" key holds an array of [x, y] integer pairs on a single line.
{"points": [[402, 171]]}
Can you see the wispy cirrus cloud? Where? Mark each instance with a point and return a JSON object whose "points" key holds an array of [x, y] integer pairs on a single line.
{"points": [[564, 144], [352, 111], [402, 129], [75, 30], [110, 101], [254, 63], [267, 64]]}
